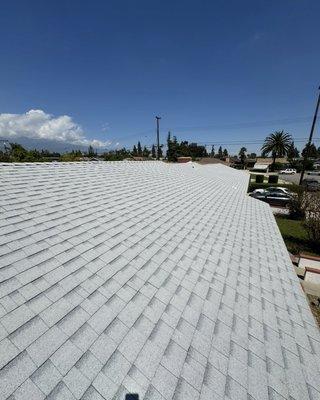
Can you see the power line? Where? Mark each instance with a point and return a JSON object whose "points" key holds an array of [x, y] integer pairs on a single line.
{"points": [[148, 133], [244, 141], [244, 124], [249, 141], [134, 135]]}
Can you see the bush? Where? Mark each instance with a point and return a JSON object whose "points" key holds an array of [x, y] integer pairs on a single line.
{"points": [[312, 226], [259, 178], [312, 222], [273, 179], [278, 166], [297, 206], [297, 164]]}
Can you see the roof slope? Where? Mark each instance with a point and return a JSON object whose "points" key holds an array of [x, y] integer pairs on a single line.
{"points": [[164, 280]]}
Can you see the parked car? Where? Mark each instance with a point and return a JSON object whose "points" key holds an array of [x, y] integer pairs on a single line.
{"points": [[279, 189], [311, 185], [316, 173], [274, 198], [258, 191], [274, 189], [288, 171]]}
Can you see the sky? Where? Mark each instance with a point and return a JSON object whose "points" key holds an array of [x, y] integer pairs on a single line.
{"points": [[94, 72]]}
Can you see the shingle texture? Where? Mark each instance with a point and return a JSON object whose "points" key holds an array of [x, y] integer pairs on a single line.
{"points": [[150, 278]]}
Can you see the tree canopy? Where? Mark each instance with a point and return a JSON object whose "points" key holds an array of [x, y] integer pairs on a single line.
{"points": [[153, 151], [212, 152], [14, 152], [139, 149], [177, 149], [243, 155], [292, 152], [311, 151], [278, 144]]}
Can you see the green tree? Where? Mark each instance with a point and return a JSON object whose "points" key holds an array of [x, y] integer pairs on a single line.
{"points": [[310, 150], [145, 152], [18, 152], [117, 155], [278, 144], [33, 156], [171, 156], [134, 151], [212, 152], [220, 152], [293, 152], [243, 155], [14, 152], [175, 148], [312, 223], [184, 148], [153, 152], [225, 153], [252, 155], [91, 152], [139, 149], [73, 155]]}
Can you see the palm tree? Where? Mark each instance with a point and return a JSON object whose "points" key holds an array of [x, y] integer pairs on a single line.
{"points": [[278, 144]]}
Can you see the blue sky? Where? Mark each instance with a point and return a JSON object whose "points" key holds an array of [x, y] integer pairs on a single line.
{"points": [[216, 71]]}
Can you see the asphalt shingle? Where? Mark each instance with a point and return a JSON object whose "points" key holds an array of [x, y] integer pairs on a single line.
{"points": [[164, 280]]}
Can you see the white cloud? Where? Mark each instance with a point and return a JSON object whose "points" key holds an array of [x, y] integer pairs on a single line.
{"points": [[36, 124]]}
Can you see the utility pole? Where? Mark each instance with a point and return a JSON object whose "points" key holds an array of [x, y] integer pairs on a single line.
{"points": [[158, 138], [310, 139]]}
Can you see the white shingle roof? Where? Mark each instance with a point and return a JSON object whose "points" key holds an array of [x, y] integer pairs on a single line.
{"points": [[165, 280], [261, 166]]}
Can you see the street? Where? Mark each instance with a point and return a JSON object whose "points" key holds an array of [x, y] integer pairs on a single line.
{"points": [[296, 177]]}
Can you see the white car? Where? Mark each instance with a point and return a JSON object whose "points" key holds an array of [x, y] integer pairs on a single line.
{"points": [[288, 171]]}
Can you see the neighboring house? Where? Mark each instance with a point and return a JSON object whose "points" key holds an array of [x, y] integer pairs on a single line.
{"points": [[154, 278], [213, 160], [236, 163], [84, 158], [138, 158], [260, 167], [182, 160], [250, 162], [263, 164], [269, 160]]}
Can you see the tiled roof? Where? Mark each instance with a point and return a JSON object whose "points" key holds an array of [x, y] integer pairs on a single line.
{"points": [[158, 279]]}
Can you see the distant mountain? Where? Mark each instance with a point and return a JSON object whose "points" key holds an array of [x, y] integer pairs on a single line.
{"points": [[45, 144]]}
